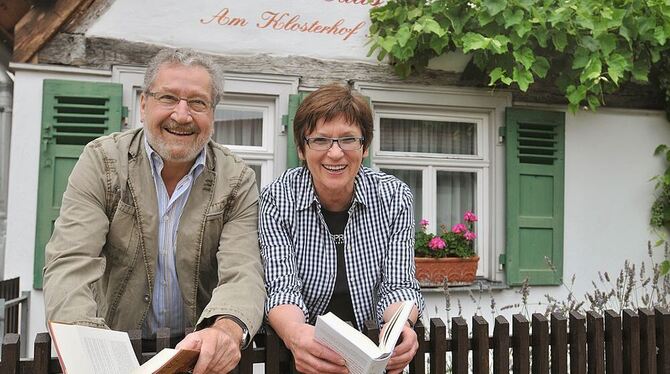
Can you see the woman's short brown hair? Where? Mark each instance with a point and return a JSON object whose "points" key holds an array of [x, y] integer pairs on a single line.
{"points": [[328, 103]]}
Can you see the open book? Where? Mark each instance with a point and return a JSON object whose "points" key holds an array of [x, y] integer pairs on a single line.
{"points": [[362, 356], [86, 350]]}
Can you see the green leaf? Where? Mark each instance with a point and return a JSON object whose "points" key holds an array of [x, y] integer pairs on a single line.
{"points": [[607, 43], [664, 267], [593, 101], [522, 77], [473, 41], [592, 70], [499, 44], [540, 35], [494, 7], [560, 40], [659, 35], [540, 67], [414, 13], [575, 95], [525, 57], [512, 18], [432, 26], [523, 28], [437, 43], [616, 66], [640, 70], [660, 149], [387, 43], [495, 75], [581, 58], [403, 35]]}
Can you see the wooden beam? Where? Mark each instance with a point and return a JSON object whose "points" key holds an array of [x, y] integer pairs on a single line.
{"points": [[38, 26]]}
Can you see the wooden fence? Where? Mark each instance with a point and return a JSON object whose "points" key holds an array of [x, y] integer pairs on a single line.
{"points": [[630, 343]]}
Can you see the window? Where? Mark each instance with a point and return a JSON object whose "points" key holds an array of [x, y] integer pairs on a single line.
{"points": [[441, 143]]}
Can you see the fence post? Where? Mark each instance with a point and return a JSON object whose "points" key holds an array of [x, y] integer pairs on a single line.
{"points": [[613, 343], [501, 346], [647, 341], [595, 337], [42, 354], [438, 346], [663, 340], [540, 343], [135, 337], [10, 354], [25, 319], [577, 343], [559, 344], [480, 345], [631, 342], [371, 330], [273, 351], [459, 352], [520, 345], [418, 364]]}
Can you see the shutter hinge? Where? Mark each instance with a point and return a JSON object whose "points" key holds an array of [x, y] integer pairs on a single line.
{"points": [[501, 134], [284, 124], [502, 259], [124, 117]]}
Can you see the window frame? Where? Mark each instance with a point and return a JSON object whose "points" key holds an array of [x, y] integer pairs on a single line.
{"points": [[461, 104]]}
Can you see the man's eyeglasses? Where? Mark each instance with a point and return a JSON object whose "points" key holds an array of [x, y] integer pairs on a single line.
{"points": [[168, 100], [349, 143]]}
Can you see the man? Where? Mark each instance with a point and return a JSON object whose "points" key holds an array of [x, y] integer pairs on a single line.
{"points": [[158, 226]]}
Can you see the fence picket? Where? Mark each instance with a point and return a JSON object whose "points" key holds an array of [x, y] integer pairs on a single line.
{"points": [[418, 364], [631, 342], [595, 339], [438, 346], [520, 345], [459, 353], [559, 344], [613, 341], [501, 344], [540, 344], [647, 341], [42, 353], [480, 345], [577, 343], [663, 340], [10, 354]]}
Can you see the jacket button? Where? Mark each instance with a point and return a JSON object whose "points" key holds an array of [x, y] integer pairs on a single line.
{"points": [[146, 298]]}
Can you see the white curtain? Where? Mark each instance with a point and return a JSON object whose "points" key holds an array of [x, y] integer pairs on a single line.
{"points": [[238, 127], [455, 195], [411, 135], [414, 180]]}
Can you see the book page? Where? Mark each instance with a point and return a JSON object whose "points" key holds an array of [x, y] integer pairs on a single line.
{"points": [[169, 361], [360, 353], [394, 326], [85, 350]]}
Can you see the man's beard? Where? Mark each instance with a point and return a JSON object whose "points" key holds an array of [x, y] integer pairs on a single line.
{"points": [[172, 150]]}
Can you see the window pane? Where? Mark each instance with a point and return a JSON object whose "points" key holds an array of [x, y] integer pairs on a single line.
{"points": [[412, 135], [238, 126], [414, 180], [455, 195], [257, 170]]}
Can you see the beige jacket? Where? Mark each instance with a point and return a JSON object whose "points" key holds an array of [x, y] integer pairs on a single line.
{"points": [[101, 259]]}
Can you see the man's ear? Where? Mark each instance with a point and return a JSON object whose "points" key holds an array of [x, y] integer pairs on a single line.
{"points": [[143, 103]]}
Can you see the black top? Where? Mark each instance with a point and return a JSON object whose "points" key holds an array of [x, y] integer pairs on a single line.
{"points": [[340, 301]]}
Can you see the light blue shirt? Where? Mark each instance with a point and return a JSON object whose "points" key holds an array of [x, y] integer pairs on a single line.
{"points": [[167, 305]]}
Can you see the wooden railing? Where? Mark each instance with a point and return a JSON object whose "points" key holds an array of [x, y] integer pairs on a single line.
{"points": [[630, 343]]}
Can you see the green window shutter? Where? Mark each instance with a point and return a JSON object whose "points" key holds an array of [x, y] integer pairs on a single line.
{"points": [[535, 156], [292, 159], [73, 114]]}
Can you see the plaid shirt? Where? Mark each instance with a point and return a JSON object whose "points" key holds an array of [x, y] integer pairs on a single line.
{"points": [[299, 254]]}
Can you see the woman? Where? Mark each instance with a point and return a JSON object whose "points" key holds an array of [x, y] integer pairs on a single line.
{"points": [[336, 236]]}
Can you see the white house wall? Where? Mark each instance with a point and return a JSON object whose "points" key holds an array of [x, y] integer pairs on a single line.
{"points": [[23, 177]]}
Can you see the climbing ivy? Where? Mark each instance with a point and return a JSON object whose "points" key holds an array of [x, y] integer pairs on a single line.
{"points": [[587, 47]]}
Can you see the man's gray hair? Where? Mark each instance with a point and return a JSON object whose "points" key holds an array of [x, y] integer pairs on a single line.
{"points": [[187, 57]]}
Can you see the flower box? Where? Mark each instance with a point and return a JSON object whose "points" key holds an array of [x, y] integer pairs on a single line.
{"points": [[431, 272]]}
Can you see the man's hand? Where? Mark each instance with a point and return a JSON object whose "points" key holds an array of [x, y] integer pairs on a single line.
{"points": [[310, 356], [219, 347], [404, 352]]}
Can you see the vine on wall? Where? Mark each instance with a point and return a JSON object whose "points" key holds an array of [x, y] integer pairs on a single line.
{"points": [[587, 47]]}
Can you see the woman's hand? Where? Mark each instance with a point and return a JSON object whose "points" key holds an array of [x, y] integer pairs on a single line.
{"points": [[404, 352], [310, 356]]}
